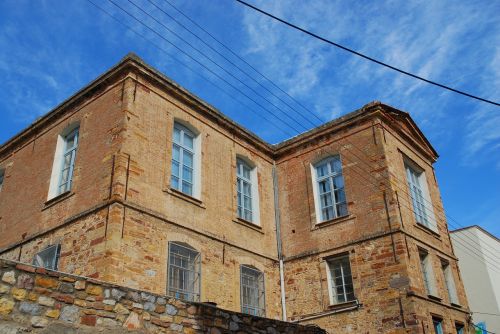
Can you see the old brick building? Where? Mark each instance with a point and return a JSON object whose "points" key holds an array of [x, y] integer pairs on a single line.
{"points": [[135, 181]]}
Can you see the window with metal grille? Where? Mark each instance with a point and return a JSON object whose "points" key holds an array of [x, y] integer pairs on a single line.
{"points": [[183, 156], [244, 188], [68, 161], [449, 282], [340, 280], [252, 291], [330, 185], [2, 176], [438, 325], [184, 266], [427, 273], [48, 258]]}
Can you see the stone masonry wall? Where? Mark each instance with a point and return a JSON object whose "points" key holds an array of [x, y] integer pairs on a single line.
{"points": [[39, 301]]}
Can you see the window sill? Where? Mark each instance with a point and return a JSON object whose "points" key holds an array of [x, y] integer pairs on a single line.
{"points": [[187, 198], [456, 305], [248, 224], [434, 297], [333, 221], [428, 230], [59, 198], [343, 306]]}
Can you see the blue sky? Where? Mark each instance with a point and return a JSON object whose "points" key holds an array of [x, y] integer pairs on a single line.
{"points": [[50, 49]]}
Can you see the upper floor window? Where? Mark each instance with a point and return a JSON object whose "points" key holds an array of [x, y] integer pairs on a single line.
{"points": [[449, 282], [2, 176], [185, 157], [48, 258], [64, 161], [428, 273], [69, 154], [340, 280], [329, 189], [420, 198], [252, 291], [184, 265], [247, 191]]}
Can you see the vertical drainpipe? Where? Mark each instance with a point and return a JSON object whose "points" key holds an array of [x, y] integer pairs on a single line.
{"points": [[278, 241]]}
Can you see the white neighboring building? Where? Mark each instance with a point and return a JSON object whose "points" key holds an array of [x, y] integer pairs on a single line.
{"points": [[478, 252]]}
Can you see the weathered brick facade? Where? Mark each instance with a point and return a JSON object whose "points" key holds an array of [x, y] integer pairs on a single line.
{"points": [[116, 222]]}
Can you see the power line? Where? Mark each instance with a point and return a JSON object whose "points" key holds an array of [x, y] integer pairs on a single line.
{"points": [[213, 62], [239, 57], [190, 68], [359, 54], [229, 61], [201, 64]]}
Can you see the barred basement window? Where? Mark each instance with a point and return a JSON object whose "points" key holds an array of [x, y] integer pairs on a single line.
{"points": [[183, 160], [184, 266], [69, 154], [340, 280], [48, 258], [252, 291], [330, 189]]}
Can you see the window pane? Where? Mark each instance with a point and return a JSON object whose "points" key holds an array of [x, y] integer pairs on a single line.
{"points": [[187, 174], [321, 170], [177, 135], [326, 200], [174, 182], [338, 182], [336, 165], [246, 189], [188, 141], [328, 213], [187, 188], [187, 159], [175, 168], [176, 153], [324, 186]]}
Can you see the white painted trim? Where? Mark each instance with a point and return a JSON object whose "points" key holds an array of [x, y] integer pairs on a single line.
{"points": [[56, 168], [197, 167], [317, 208], [254, 177]]}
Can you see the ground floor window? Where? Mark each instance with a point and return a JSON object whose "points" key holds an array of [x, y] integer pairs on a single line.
{"points": [[252, 291], [48, 258], [183, 272]]}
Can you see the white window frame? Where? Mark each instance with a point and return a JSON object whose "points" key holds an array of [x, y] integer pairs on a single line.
{"points": [[346, 279], [253, 182], [58, 164], [52, 253], [191, 274], [258, 290], [195, 151], [428, 276], [316, 188], [449, 282], [420, 197]]}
